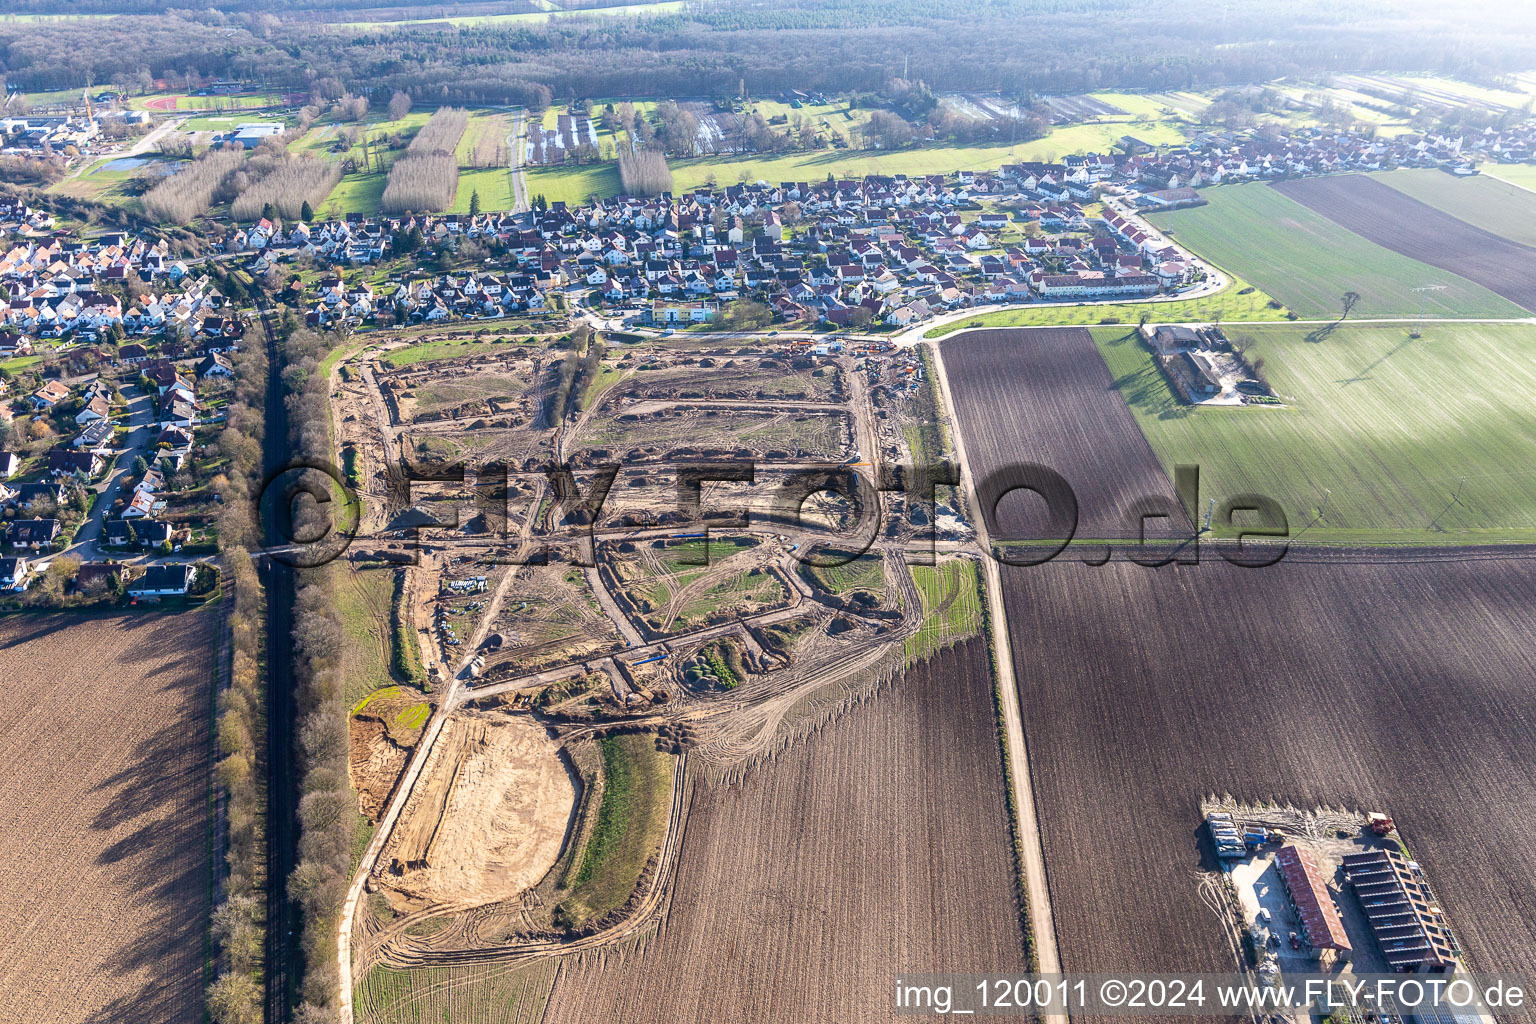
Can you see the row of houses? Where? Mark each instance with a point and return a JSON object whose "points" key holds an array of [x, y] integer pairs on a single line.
{"points": [[147, 583], [894, 247], [1213, 158], [898, 248], [57, 284]]}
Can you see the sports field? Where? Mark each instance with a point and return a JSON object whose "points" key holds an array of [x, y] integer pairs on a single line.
{"points": [[1384, 429], [1308, 262]]}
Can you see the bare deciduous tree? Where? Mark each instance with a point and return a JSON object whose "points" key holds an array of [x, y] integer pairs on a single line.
{"points": [[644, 173], [191, 191]]}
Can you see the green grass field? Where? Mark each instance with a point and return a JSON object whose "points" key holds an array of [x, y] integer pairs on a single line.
{"points": [[572, 184], [1484, 202], [494, 186], [533, 17], [951, 606], [1082, 138], [97, 183], [448, 348], [1523, 175], [1308, 262], [637, 794], [363, 602], [1392, 426], [355, 193], [1226, 305]]}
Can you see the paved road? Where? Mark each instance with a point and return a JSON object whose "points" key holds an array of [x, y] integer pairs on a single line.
{"points": [[141, 433], [138, 148], [515, 163]]}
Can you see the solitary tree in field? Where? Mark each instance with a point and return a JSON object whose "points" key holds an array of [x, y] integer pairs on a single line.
{"points": [[474, 203], [306, 212], [1349, 301]]}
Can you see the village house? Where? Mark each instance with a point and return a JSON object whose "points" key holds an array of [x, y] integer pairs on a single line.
{"points": [[32, 534], [15, 576], [161, 581]]}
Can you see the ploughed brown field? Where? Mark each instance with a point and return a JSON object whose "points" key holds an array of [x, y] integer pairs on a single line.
{"points": [[104, 748], [876, 847], [1044, 396], [1389, 218], [1404, 682]]}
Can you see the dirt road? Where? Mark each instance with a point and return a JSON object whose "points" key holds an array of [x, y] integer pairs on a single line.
{"points": [[515, 163], [1041, 924]]}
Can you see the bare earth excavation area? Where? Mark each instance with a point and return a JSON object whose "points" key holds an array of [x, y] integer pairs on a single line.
{"points": [[878, 845], [488, 820], [104, 745]]}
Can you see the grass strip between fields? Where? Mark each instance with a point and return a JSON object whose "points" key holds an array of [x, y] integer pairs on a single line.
{"points": [[627, 829]]}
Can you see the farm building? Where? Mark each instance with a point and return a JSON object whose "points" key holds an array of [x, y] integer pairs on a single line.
{"points": [[1171, 338], [1309, 896], [1405, 915]]}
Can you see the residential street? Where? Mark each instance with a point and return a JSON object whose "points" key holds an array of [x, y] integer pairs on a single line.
{"points": [[141, 433]]}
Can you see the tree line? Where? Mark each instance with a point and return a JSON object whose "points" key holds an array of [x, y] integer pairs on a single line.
{"points": [[426, 177], [327, 805], [1017, 46], [236, 994]]}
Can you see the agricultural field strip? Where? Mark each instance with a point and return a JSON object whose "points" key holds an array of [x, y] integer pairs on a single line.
{"points": [[745, 848], [1044, 396], [1486, 202], [1307, 261], [1395, 682], [1043, 939], [1394, 220], [1384, 428], [106, 741]]}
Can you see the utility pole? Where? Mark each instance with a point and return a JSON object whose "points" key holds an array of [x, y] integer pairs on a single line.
{"points": [[1422, 292]]}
